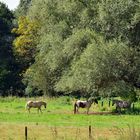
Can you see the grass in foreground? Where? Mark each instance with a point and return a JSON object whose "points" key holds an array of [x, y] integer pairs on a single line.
{"points": [[59, 122], [43, 132]]}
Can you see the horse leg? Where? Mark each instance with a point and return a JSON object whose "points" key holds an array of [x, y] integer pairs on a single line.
{"points": [[119, 110], [29, 109], [40, 110], [77, 110]]}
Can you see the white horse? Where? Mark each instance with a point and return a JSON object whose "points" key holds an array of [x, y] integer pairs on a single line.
{"points": [[35, 104], [84, 104]]}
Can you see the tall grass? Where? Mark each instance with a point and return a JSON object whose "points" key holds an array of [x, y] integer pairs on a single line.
{"points": [[131, 133], [43, 132]]}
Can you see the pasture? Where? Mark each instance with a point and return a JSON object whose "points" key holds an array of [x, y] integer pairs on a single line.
{"points": [[58, 121]]}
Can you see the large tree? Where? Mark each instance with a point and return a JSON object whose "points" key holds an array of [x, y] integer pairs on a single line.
{"points": [[8, 67], [85, 45]]}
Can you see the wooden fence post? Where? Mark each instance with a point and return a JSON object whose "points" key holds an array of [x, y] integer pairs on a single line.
{"points": [[89, 132], [26, 134]]}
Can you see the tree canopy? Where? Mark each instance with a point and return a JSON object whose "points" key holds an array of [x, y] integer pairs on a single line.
{"points": [[87, 47]]}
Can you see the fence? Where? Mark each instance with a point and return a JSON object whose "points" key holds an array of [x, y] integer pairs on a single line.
{"points": [[55, 131]]}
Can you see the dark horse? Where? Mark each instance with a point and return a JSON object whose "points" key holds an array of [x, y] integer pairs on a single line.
{"points": [[121, 104], [84, 104]]}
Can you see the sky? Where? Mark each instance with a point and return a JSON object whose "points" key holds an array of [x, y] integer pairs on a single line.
{"points": [[12, 4]]}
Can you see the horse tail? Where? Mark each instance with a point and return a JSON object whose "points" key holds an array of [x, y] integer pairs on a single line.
{"points": [[75, 105]]}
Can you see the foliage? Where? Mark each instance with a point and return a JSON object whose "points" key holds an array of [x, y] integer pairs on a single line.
{"points": [[22, 8], [72, 47], [24, 46], [99, 65], [25, 42], [8, 65], [86, 46]]}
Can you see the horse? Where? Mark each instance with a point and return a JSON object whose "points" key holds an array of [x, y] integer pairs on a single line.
{"points": [[121, 104], [35, 104], [84, 104]]}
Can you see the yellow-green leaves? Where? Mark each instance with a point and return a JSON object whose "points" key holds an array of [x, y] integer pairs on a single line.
{"points": [[27, 37]]}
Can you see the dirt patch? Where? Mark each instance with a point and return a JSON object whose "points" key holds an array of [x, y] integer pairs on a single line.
{"points": [[99, 113], [103, 113]]}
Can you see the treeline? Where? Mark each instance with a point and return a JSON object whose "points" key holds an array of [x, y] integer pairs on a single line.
{"points": [[76, 47]]}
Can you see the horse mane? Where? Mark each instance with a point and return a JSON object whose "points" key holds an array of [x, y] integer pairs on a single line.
{"points": [[44, 102], [92, 99]]}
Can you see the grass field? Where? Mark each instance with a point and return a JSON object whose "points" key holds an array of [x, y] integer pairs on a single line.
{"points": [[59, 122]]}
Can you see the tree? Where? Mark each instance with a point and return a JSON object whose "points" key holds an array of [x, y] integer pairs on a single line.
{"points": [[23, 7], [85, 45], [26, 40], [8, 66]]}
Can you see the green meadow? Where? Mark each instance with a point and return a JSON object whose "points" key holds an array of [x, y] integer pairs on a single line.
{"points": [[58, 117]]}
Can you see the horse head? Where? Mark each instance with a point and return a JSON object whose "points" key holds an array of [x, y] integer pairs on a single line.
{"points": [[95, 101], [45, 104]]}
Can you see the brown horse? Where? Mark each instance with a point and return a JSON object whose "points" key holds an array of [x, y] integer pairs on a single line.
{"points": [[35, 104], [84, 104]]}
